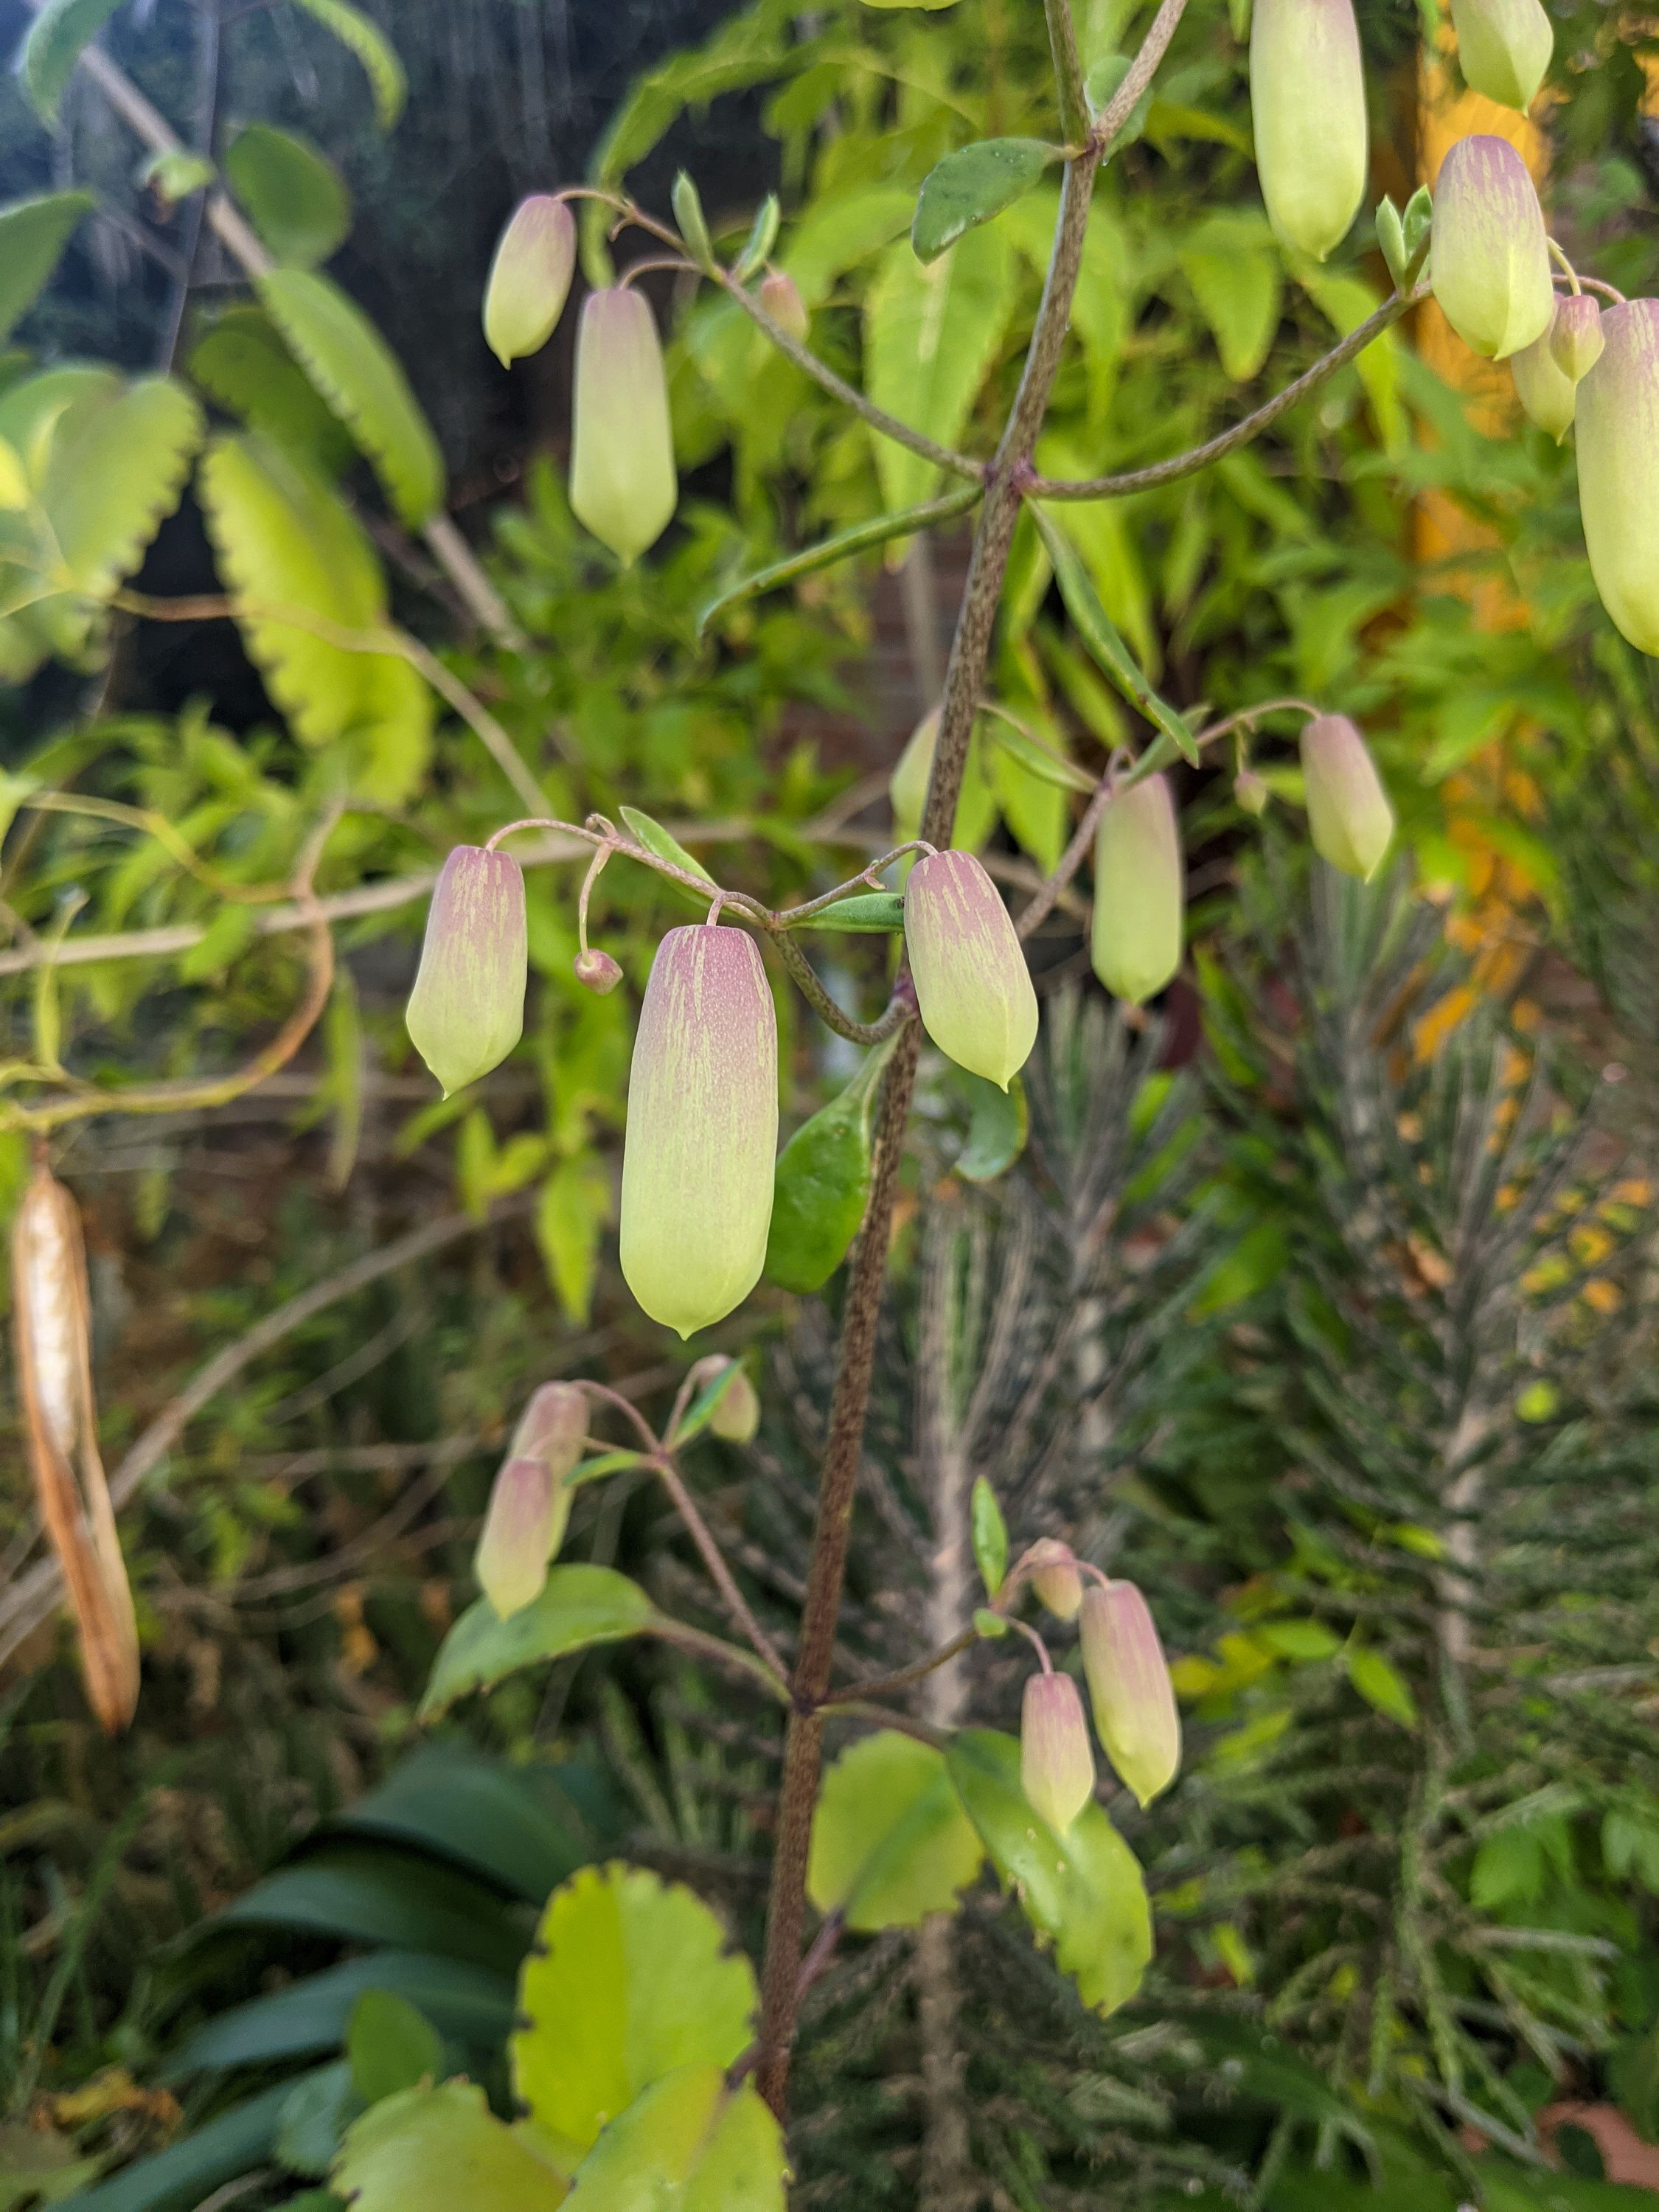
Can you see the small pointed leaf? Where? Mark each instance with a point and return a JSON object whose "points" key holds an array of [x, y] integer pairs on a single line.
{"points": [[579, 1605], [33, 234], [972, 184], [990, 1537], [1100, 634], [655, 839]]}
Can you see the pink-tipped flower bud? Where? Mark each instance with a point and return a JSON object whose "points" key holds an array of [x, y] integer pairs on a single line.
{"points": [[973, 988], [466, 1010], [1549, 396], [597, 970], [1618, 470], [781, 297], [907, 789], [1141, 892], [1055, 1577], [1575, 335], [1056, 1766], [1490, 262], [702, 1129], [530, 278], [1505, 46], [1251, 791], [737, 1416], [519, 1534], [622, 485], [1349, 817], [1307, 107], [1130, 1689], [551, 1428]]}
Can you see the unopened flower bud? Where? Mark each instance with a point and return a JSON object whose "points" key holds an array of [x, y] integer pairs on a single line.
{"points": [[1504, 47], [1490, 262], [907, 789], [973, 988], [466, 1010], [597, 970], [1141, 892], [510, 1560], [1576, 338], [1549, 396], [1618, 470], [551, 1428], [622, 485], [530, 278], [1349, 817], [1251, 791], [781, 299], [702, 1129], [1130, 1689], [737, 1416], [1056, 1766], [1055, 1577], [1307, 106]]}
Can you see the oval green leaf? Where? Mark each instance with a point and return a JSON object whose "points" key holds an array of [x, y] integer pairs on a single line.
{"points": [[655, 839], [295, 194], [891, 1842], [430, 2150], [871, 913], [689, 2144], [990, 1536], [969, 186], [1002, 1121], [391, 2045], [57, 38], [822, 1184], [579, 1605], [33, 234]]}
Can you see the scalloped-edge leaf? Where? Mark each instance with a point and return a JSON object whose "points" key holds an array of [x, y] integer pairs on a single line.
{"points": [[364, 37], [579, 1605], [1082, 1891], [296, 196], [436, 2149], [691, 2143], [629, 1978], [240, 362], [357, 371], [33, 235], [891, 1842], [116, 470], [284, 540], [57, 38]]}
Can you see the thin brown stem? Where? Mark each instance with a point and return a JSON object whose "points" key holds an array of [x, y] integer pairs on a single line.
{"points": [[887, 1685], [719, 1573]]}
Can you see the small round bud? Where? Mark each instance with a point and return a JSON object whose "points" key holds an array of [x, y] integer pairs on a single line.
{"points": [[622, 484], [1130, 1689], [1490, 262], [781, 299], [1141, 892], [1575, 335], [1504, 47], [1618, 470], [973, 987], [1549, 396], [597, 970], [466, 1010], [1349, 817], [1056, 1766], [511, 1561], [1308, 106], [1055, 1577], [1251, 791], [530, 278], [737, 1416]]}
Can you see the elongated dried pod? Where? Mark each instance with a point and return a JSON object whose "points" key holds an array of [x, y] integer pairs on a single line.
{"points": [[60, 1426]]}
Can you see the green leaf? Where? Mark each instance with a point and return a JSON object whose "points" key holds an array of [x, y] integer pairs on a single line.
{"points": [[707, 1403], [1094, 626], [629, 1978], [930, 6], [175, 173], [570, 1216], [285, 541], [1345, 303], [687, 204], [316, 2114], [891, 1842], [473, 2008], [1083, 1891], [1235, 278], [364, 38], [296, 196], [189, 2171], [990, 1537], [579, 1605], [689, 2145], [55, 41], [1380, 1683], [363, 1893], [822, 1184], [997, 1133], [360, 377], [871, 913], [969, 186], [932, 332], [763, 237], [655, 839], [391, 2045], [1036, 759], [437, 2150], [241, 362], [1099, 88], [33, 235], [116, 465], [861, 537]]}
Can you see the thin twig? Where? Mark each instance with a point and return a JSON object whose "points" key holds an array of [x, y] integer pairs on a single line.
{"points": [[719, 1573]]}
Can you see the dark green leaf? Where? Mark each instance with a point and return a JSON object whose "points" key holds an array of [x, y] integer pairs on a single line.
{"points": [[860, 539], [297, 197], [362, 1893], [241, 362], [655, 839], [997, 1132], [364, 37], [891, 1842], [55, 41], [971, 186], [1081, 1891], [318, 2110], [33, 234], [990, 1537], [1098, 632], [178, 2178], [391, 2045], [578, 1605], [871, 913], [471, 2007], [821, 1185]]}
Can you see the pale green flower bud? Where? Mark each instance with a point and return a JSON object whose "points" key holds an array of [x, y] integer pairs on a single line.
{"points": [[622, 485], [781, 297], [1505, 46], [1489, 263], [1307, 106], [1141, 892], [1349, 817], [597, 970], [1055, 1577], [1251, 791], [1056, 1766], [550, 1430], [1576, 338], [1549, 396], [511, 1561], [1618, 470], [466, 1010], [530, 278], [1130, 1689], [737, 1417], [702, 1129], [907, 789], [973, 988]]}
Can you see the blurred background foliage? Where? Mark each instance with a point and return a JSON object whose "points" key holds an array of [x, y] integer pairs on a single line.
{"points": [[1326, 1296]]}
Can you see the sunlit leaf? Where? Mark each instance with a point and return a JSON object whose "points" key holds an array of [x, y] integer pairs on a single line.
{"points": [[971, 186], [438, 2149], [891, 1842], [579, 1605], [690, 2144], [932, 333]]}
